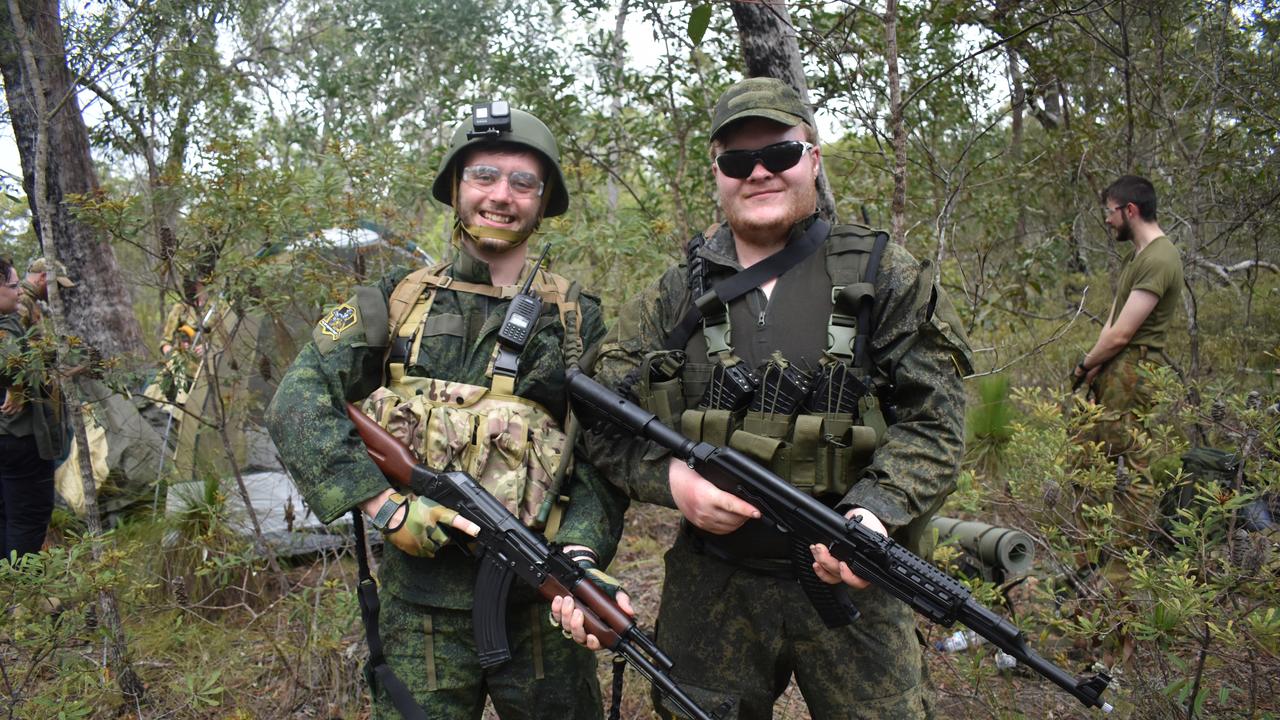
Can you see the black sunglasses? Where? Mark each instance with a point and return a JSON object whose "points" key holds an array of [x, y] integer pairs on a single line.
{"points": [[739, 164]]}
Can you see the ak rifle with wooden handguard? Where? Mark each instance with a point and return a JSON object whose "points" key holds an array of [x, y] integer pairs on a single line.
{"points": [[507, 549], [872, 556]]}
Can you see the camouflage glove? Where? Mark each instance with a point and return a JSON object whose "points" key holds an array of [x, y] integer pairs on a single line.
{"points": [[422, 533], [601, 579]]}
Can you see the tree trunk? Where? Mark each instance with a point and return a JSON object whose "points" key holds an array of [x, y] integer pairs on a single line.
{"points": [[770, 49], [1017, 99], [98, 309], [41, 182], [898, 129], [615, 107]]}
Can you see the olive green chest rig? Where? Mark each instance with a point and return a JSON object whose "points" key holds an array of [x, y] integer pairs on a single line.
{"points": [[514, 447], [817, 428]]}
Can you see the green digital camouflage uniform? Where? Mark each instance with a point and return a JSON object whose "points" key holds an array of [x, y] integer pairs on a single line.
{"points": [[426, 622], [736, 634]]}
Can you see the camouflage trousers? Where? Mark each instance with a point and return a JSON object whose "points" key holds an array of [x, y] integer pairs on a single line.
{"points": [[1123, 389], [738, 636], [433, 651]]}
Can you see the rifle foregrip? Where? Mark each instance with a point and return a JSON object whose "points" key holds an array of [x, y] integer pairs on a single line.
{"points": [[600, 612], [929, 590]]}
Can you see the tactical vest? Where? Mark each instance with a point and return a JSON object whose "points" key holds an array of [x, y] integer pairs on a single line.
{"points": [[515, 448], [819, 452]]}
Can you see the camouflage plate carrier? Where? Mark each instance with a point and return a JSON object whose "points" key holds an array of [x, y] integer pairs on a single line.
{"points": [[818, 452], [514, 447]]}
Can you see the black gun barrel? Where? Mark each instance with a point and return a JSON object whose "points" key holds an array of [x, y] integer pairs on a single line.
{"points": [[872, 556]]}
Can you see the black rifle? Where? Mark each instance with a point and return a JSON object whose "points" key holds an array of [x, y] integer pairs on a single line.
{"points": [[508, 549], [870, 555]]}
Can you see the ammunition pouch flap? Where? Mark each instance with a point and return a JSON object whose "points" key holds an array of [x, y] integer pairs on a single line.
{"points": [[819, 453], [512, 446]]}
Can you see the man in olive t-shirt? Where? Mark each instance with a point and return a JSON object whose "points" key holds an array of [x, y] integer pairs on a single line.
{"points": [[1132, 342]]}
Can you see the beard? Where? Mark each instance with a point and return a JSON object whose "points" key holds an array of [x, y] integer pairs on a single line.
{"points": [[1124, 233], [764, 226], [472, 228], [493, 246]]}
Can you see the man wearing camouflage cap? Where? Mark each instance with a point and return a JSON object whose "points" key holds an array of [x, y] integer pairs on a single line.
{"points": [[838, 366], [420, 350]]}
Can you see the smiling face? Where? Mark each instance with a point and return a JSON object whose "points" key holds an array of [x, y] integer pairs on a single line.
{"points": [[498, 206], [762, 207]]}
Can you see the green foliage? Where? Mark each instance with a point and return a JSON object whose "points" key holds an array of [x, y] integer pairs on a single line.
{"points": [[699, 19], [1186, 594], [989, 424], [230, 136]]}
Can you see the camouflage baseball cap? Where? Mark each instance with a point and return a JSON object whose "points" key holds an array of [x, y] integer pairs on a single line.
{"points": [[40, 264], [763, 97]]}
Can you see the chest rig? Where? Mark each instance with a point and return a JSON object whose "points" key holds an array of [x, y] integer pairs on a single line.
{"points": [[514, 447], [816, 427]]}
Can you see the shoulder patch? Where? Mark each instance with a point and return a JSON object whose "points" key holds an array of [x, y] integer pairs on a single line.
{"points": [[338, 320]]}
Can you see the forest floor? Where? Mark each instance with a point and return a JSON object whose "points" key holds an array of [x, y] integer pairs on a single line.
{"points": [[300, 656]]}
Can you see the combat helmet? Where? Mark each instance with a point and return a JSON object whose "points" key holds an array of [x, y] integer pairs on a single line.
{"points": [[497, 122]]}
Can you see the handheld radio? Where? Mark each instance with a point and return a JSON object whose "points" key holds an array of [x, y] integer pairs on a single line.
{"points": [[518, 324]]}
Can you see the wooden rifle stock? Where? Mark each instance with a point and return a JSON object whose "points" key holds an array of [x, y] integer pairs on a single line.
{"points": [[512, 549]]}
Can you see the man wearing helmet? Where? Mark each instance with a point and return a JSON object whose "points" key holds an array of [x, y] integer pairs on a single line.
{"points": [[421, 351]]}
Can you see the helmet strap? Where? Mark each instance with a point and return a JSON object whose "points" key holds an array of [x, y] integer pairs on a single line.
{"points": [[511, 237]]}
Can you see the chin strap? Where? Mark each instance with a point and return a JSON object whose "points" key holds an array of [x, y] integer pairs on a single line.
{"points": [[511, 237]]}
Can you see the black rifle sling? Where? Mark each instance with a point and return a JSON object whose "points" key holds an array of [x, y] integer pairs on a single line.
{"points": [[370, 608], [744, 281]]}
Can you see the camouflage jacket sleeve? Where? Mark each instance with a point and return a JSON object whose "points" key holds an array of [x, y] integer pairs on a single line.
{"points": [[11, 336], [594, 515], [920, 347], [643, 324], [307, 417]]}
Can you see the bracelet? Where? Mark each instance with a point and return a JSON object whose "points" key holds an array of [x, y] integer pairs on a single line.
{"points": [[388, 510], [578, 555]]}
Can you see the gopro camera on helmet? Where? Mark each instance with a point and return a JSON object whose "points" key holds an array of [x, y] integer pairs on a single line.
{"points": [[490, 119]]}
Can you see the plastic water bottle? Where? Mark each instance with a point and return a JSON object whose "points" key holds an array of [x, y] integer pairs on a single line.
{"points": [[960, 640]]}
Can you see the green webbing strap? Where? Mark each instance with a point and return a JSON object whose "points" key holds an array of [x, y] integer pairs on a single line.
{"points": [[871, 415], [805, 453]]}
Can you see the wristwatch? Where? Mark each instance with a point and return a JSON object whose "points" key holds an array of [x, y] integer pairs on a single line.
{"points": [[388, 510]]}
